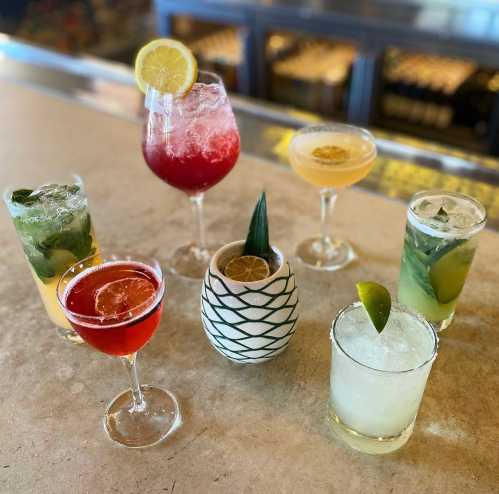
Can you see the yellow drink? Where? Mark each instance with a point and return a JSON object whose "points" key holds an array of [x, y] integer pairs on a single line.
{"points": [[331, 159], [47, 287], [330, 156]]}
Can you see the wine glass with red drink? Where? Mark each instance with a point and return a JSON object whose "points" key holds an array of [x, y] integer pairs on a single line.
{"points": [[115, 303], [191, 142]]}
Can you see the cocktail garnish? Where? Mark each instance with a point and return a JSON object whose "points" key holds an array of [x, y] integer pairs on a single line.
{"points": [[50, 192], [331, 153], [442, 215], [166, 65], [448, 273], [253, 265], [377, 301], [257, 242], [123, 295], [247, 268]]}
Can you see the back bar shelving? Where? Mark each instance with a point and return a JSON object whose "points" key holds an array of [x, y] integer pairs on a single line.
{"points": [[457, 29]]}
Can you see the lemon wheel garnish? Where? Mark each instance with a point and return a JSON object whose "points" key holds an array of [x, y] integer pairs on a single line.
{"points": [[166, 65], [247, 268]]}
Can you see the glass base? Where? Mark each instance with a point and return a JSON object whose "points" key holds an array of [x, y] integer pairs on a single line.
{"points": [[439, 326], [367, 444], [69, 335], [192, 262], [337, 254], [146, 426]]}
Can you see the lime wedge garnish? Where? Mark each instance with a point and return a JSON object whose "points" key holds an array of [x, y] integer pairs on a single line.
{"points": [[448, 273], [377, 301]]}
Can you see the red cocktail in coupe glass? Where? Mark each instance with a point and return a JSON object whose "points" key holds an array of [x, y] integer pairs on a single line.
{"points": [[191, 142], [115, 303]]}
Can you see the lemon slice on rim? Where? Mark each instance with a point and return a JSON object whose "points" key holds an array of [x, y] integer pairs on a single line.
{"points": [[166, 65], [247, 268]]}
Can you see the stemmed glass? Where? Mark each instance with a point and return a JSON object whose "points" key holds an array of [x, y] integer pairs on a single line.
{"points": [[191, 142], [115, 303], [331, 157]]}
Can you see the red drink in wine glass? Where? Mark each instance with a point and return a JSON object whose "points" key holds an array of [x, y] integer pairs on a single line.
{"points": [[191, 142], [115, 303], [195, 144], [124, 295]]}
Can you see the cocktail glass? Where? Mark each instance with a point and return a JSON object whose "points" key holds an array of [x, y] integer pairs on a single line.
{"points": [[54, 226], [191, 142], [378, 380], [331, 157], [440, 242], [115, 303]]}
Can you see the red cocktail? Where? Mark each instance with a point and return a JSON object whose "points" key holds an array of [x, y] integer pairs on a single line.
{"points": [[194, 146], [115, 305], [191, 142], [124, 295]]}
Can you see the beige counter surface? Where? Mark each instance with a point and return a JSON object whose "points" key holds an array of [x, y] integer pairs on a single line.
{"points": [[259, 429]]}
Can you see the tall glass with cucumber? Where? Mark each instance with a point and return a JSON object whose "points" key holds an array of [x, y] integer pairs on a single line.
{"points": [[54, 226], [440, 242]]}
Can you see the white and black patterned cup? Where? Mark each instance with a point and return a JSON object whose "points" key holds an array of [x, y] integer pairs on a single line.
{"points": [[249, 322]]}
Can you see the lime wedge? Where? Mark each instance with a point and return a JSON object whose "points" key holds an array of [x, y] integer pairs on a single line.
{"points": [[377, 301], [448, 273]]}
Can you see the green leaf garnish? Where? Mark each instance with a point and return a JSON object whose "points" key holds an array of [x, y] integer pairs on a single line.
{"points": [[442, 215], [42, 268], [377, 301], [22, 196], [257, 241], [56, 252]]}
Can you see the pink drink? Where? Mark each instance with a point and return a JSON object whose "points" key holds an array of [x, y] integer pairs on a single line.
{"points": [[191, 143]]}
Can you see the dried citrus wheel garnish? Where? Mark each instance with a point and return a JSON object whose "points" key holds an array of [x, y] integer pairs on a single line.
{"points": [[331, 153], [124, 295], [166, 65], [247, 268]]}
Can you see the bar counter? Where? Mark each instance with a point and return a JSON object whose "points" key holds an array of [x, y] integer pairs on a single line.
{"points": [[247, 429]]}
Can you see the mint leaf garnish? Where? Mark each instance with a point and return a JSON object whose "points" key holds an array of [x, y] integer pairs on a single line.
{"points": [[257, 241], [22, 196], [442, 215]]}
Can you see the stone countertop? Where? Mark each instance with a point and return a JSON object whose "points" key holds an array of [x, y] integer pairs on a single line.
{"points": [[250, 429]]}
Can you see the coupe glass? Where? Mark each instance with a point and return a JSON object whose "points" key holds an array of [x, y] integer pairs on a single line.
{"points": [[331, 157], [143, 415], [192, 143]]}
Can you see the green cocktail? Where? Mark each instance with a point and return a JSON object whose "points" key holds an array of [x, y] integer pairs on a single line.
{"points": [[440, 243]]}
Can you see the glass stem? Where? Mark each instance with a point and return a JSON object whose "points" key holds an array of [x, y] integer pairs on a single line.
{"points": [[130, 362], [197, 204], [328, 200]]}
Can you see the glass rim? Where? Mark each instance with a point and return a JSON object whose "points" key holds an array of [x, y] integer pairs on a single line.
{"points": [[401, 308], [455, 232], [216, 80], [7, 191], [338, 128], [86, 319]]}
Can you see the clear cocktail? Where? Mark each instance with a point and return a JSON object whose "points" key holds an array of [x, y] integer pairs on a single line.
{"points": [[330, 157], [440, 243], [55, 229], [378, 379]]}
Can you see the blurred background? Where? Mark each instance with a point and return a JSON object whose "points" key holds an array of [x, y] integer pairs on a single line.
{"points": [[423, 68]]}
